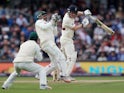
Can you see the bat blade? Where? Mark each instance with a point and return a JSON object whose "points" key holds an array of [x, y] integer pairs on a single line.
{"points": [[102, 25], [105, 27]]}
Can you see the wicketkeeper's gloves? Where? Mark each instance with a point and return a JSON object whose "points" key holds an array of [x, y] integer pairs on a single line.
{"points": [[56, 17]]}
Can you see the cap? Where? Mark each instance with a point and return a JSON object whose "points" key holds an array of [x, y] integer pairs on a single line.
{"points": [[41, 13], [72, 8], [33, 36]]}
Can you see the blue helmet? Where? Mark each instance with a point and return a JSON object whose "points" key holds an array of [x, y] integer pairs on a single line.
{"points": [[73, 8]]}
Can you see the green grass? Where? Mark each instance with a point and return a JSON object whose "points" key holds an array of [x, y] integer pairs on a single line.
{"points": [[60, 87]]}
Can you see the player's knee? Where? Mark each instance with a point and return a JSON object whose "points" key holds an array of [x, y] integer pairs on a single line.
{"points": [[62, 57]]}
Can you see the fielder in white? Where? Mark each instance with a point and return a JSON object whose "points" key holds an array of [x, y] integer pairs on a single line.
{"points": [[66, 39], [46, 30], [25, 61]]}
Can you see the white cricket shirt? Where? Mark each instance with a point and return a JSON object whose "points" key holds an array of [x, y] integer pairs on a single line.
{"points": [[28, 51], [67, 24], [45, 31]]}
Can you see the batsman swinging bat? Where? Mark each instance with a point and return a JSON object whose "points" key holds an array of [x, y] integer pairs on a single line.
{"points": [[102, 25]]}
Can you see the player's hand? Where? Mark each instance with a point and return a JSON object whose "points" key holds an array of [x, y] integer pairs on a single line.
{"points": [[93, 18], [56, 17], [85, 22], [87, 12]]}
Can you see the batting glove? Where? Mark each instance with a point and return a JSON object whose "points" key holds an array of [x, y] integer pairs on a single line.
{"points": [[85, 22], [87, 12]]}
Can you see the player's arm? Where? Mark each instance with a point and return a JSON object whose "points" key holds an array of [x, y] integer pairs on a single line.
{"points": [[80, 13], [44, 26], [87, 12], [66, 24], [38, 55], [76, 27], [55, 30], [51, 23], [84, 23]]}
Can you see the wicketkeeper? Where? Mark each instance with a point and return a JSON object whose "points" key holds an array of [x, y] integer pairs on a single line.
{"points": [[46, 30]]}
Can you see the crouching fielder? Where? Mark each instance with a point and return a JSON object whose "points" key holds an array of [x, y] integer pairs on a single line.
{"points": [[68, 29], [25, 61]]}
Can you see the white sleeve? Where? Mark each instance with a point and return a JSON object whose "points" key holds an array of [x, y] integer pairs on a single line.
{"points": [[55, 31], [45, 26], [38, 55]]}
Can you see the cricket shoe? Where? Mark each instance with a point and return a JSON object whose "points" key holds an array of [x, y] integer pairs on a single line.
{"points": [[43, 87], [72, 79], [66, 79], [3, 87]]}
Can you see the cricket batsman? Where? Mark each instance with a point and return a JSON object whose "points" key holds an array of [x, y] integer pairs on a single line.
{"points": [[46, 30], [66, 39], [25, 61]]}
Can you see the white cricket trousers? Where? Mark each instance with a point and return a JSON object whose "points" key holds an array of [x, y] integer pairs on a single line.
{"points": [[28, 66], [57, 58], [68, 49]]}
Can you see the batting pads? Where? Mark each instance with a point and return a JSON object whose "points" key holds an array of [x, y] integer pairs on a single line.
{"points": [[70, 63]]}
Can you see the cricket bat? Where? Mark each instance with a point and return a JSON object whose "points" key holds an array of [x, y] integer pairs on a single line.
{"points": [[102, 25]]}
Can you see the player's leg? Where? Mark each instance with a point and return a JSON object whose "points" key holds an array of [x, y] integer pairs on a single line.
{"points": [[43, 80], [52, 66], [59, 58], [38, 69], [53, 69], [71, 55], [71, 64], [50, 69], [11, 78], [9, 81]]}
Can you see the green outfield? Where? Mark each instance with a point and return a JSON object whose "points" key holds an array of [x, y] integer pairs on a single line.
{"points": [[81, 85]]}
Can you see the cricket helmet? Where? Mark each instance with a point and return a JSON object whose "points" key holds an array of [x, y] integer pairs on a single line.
{"points": [[41, 13], [72, 8], [33, 36]]}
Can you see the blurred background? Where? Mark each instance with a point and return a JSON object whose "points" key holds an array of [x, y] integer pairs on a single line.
{"points": [[98, 52]]}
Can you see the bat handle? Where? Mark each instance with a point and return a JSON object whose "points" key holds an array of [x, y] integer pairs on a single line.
{"points": [[112, 32], [93, 18]]}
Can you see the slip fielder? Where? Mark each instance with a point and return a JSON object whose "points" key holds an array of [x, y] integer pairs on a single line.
{"points": [[25, 61]]}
